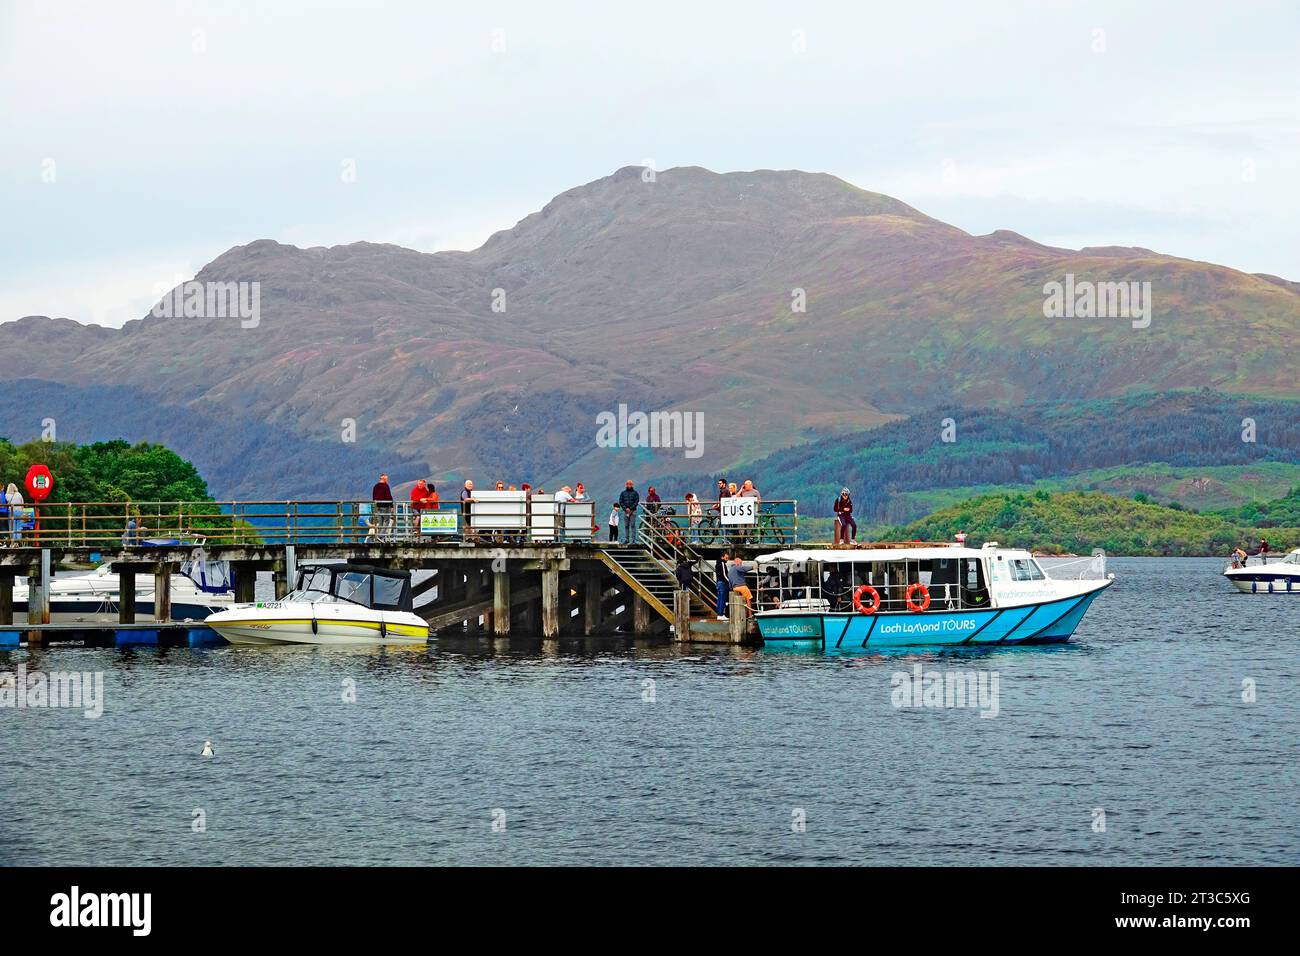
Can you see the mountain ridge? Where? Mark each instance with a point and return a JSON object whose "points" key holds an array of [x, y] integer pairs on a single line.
{"points": [[672, 294]]}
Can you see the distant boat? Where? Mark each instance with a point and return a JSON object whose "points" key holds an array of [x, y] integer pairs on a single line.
{"points": [[331, 604], [1267, 577], [920, 595], [95, 596]]}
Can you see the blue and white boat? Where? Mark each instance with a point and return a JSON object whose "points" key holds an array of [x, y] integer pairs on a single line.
{"points": [[1266, 577], [921, 595]]}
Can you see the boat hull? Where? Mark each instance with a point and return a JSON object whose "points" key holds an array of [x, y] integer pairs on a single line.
{"points": [[1047, 622], [246, 629], [1264, 583]]}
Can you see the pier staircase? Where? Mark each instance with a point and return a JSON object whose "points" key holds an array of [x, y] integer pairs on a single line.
{"points": [[647, 575]]}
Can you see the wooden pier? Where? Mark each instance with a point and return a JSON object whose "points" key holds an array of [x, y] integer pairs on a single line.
{"points": [[508, 566], [551, 590]]}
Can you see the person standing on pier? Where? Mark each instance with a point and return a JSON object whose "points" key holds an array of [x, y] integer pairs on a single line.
{"points": [[694, 516], [562, 499], [381, 498], [736, 572], [466, 502], [844, 518], [14, 498], [628, 501], [720, 577]]}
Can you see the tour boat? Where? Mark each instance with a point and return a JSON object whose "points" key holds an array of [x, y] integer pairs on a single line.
{"points": [[921, 595], [1267, 577], [94, 596], [330, 604]]}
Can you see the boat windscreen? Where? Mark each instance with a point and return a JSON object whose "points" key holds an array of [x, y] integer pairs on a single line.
{"points": [[353, 586]]}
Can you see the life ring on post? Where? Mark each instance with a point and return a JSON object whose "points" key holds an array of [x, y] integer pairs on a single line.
{"points": [[925, 596], [875, 599]]}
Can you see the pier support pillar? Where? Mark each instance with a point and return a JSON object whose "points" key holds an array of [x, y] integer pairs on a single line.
{"points": [[550, 602], [501, 603], [162, 593], [245, 583], [640, 616], [591, 592], [473, 592], [6, 596], [281, 579], [126, 595]]}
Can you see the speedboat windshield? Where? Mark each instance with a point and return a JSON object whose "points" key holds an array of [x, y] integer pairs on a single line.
{"points": [[375, 588]]}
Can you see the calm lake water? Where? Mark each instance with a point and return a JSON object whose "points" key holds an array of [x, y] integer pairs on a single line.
{"points": [[524, 752]]}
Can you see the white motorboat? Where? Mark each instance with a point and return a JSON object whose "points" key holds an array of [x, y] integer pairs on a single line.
{"points": [[1264, 576], [330, 604], [94, 596]]}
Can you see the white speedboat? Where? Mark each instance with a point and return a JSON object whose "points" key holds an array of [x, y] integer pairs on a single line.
{"points": [[330, 604], [94, 596], [918, 595], [1266, 577]]}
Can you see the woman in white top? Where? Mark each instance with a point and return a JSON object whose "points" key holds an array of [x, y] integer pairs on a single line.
{"points": [[14, 499], [694, 514]]}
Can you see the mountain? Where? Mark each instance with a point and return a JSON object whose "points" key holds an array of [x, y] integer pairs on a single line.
{"points": [[669, 294]]}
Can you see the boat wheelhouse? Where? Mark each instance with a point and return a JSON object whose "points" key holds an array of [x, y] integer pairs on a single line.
{"points": [[921, 595], [1266, 577]]}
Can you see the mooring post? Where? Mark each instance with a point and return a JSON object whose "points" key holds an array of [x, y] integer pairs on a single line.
{"points": [[162, 592], [501, 603], [290, 564], [591, 592], [126, 594], [681, 615], [737, 617], [550, 601]]}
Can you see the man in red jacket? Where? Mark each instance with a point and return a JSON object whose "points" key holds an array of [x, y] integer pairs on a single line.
{"points": [[381, 497]]}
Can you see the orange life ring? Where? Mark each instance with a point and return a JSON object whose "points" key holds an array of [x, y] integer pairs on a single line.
{"points": [[875, 599], [925, 596]]}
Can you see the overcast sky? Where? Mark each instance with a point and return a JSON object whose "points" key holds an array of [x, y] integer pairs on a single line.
{"points": [[140, 140]]}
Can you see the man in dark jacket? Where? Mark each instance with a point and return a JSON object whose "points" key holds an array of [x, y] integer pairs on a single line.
{"points": [[381, 496], [685, 573], [628, 501], [720, 576]]}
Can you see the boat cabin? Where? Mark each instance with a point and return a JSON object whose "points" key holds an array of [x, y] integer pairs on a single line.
{"points": [[379, 588], [953, 577]]}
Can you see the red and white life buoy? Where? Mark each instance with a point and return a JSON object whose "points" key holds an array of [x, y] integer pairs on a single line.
{"points": [[875, 600], [925, 596]]}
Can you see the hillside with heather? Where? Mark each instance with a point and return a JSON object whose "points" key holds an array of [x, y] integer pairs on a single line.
{"points": [[1078, 522], [672, 294]]}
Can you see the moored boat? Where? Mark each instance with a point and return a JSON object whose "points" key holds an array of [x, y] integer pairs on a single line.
{"points": [[922, 595], [1266, 577], [330, 604]]}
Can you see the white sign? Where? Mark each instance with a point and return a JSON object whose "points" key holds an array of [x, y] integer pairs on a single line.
{"points": [[739, 510]]}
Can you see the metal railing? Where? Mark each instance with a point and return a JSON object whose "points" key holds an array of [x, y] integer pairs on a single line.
{"points": [[777, 524], [107, 525]]}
